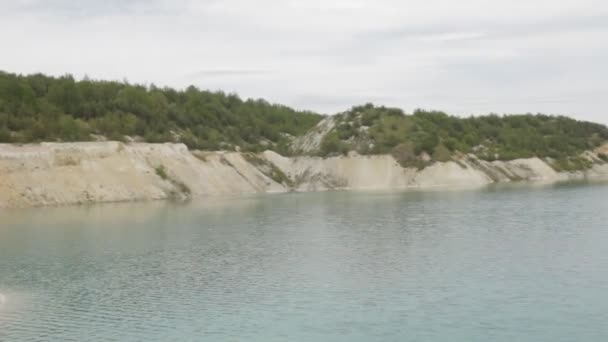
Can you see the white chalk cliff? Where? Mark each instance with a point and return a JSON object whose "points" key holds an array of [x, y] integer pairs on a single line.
{"points": [[71, 173]]}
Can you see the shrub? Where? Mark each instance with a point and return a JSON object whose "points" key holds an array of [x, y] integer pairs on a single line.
{"points": [[331, 145], [442, 154], [5, 135], [161, 172], [405, 155]]}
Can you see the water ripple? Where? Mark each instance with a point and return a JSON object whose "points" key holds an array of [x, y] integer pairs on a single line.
{"points": [[523, 264]]}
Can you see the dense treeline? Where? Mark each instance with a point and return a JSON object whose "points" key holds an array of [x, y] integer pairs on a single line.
{"points": [[40, 108], [37, 108], [375, 130]]}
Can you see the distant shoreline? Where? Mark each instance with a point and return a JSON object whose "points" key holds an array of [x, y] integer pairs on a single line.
{"points": [[51, 174]]}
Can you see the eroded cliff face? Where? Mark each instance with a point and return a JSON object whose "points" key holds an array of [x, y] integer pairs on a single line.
{"points": [[383, 172], [53, 174], [71, 173]]}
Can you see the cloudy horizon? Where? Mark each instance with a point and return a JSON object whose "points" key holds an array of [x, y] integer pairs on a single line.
{"points": [[475, 57]]}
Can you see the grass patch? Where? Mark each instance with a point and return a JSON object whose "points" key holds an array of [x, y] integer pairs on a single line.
{"points": [[161, 172], [182, 188], [268, 169], [571, 164], [405, 155]]}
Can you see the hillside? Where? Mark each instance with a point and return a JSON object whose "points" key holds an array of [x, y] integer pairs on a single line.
{"points": [[425, 137], [367, 147], [37, 108]]}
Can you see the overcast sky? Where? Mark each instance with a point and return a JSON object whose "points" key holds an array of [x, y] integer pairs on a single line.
{"points": [[463, 57]]}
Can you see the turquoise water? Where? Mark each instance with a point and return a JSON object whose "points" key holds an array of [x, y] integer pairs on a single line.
{"points": [[510, 264]]}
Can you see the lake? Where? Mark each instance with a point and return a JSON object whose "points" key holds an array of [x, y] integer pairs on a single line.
{"points": [[514, 263]]}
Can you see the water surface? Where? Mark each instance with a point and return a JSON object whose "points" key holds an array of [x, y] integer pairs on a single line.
{"points": [[509, 264]]}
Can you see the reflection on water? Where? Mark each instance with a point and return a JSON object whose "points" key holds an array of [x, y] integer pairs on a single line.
{"points": [[11, 305], [523, 264]]}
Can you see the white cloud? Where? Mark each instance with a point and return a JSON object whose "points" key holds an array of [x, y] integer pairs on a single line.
{"points": [[470, 56]]}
